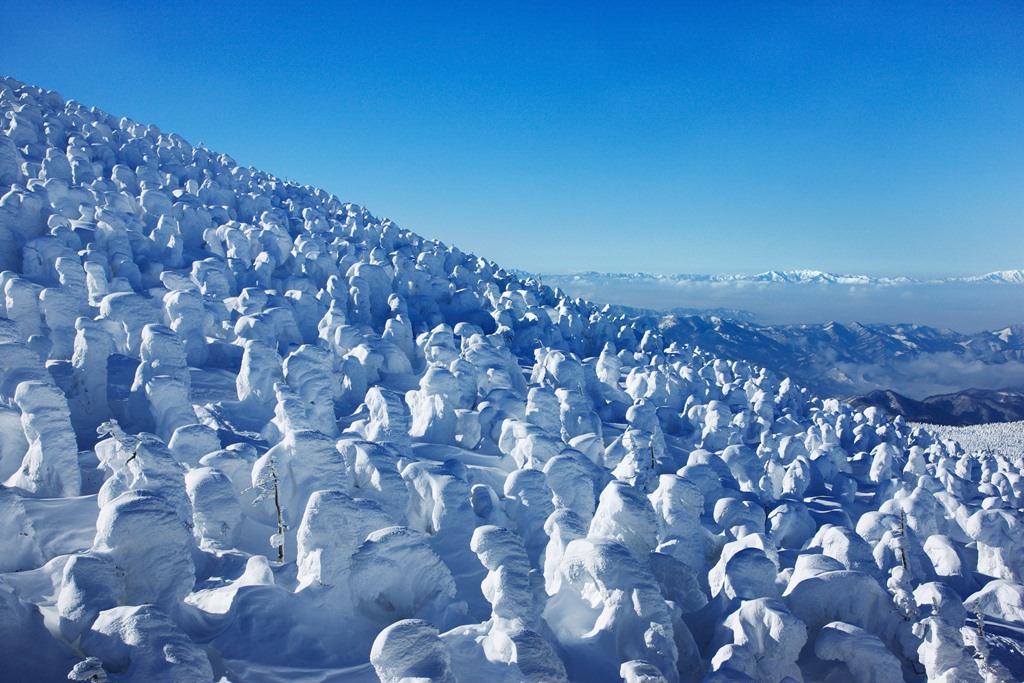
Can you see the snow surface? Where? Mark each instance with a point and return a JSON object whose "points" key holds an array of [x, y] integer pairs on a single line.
{"points": [[1004, 438], [249, 432]]}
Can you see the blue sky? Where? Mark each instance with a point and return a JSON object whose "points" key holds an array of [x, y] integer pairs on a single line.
{"points": [[719, 137]]}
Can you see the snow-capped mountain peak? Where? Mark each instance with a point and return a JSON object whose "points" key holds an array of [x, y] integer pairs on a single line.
{"points": [[795, 277]]}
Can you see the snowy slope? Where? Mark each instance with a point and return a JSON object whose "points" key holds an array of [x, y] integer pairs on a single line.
{"points": [[253, 433]]}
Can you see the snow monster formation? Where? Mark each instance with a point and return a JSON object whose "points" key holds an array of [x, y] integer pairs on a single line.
{"points": [[251, 432]]}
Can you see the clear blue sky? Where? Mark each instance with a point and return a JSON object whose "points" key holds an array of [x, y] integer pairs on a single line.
{"points": [[877, 138]]}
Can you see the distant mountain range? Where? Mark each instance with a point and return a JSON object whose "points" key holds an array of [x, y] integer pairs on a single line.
{"points": [[879, 364], [926, 373], [969, 407], [1015, 277]]}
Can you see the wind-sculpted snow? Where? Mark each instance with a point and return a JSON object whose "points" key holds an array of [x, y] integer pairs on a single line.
{"points": [[251, 432]]}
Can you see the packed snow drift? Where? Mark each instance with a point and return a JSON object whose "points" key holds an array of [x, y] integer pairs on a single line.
{"points": [[249, 432]]}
